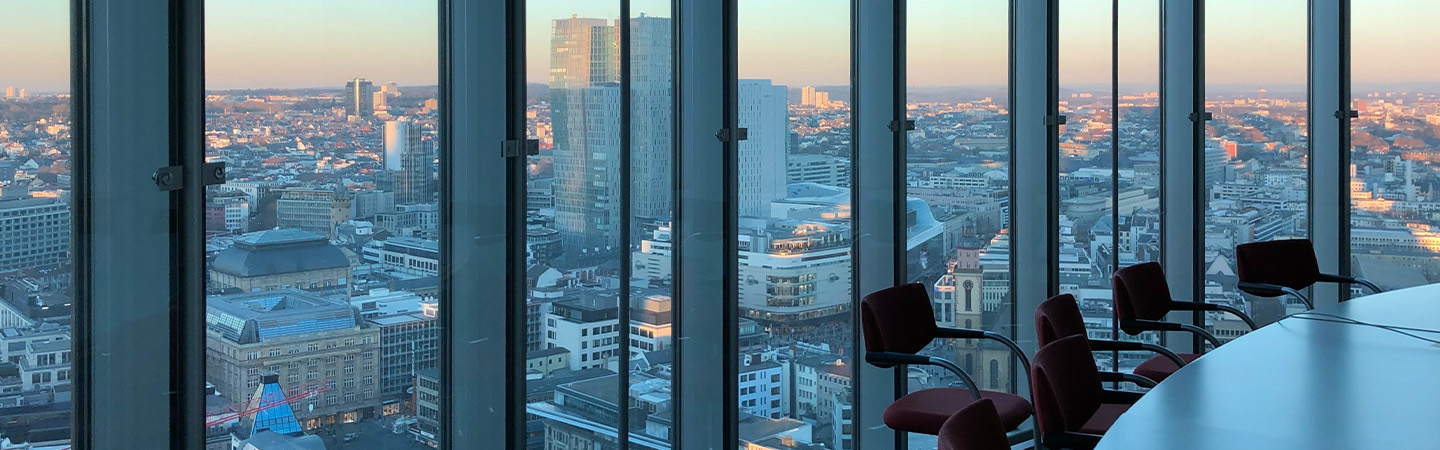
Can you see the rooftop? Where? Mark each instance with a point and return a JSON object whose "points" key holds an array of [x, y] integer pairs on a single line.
{"points": [[279, 251], [258, 316]]}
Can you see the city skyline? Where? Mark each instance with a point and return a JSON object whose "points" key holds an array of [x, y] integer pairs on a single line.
{"points": [[407, 52]]}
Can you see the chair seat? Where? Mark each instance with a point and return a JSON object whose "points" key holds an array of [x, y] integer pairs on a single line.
{"points": [[1104, 418], [1159, 367], [925, 411]]}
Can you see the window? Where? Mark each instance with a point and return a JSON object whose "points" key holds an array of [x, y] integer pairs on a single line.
{"points": [[1256, 144], [1393, 235], [318, 162], [957, 183], [793, 191]]}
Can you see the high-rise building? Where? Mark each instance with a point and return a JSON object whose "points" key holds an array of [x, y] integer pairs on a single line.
{"points": [[807, 96], [359, 98], [10, 92], [37, 230], [400, 136], [22, 93], [763, 114], [585, 113], [416, 183]]}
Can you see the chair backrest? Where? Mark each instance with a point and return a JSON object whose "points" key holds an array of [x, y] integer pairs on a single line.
{"points": [[975, 427], [1058, 317], [898, 319], [1289, 262], [1141, 293], [1066, 385]]}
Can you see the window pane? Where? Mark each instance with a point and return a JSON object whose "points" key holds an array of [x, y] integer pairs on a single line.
{"points": [[574, 235], [1255, 146], [35, 193], [794, 227], [1395, 142], [1137, 238], [652, 112], [1087, 189], [323, 251], [958, 184]]}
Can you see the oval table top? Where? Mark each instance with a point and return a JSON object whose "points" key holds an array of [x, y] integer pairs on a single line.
{"points": [[1304, 384]]}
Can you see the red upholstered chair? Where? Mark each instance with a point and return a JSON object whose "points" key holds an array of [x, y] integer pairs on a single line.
{"points": [[1072, 407], [1142, 299], [898, 322], [976, 427], [1060, 317], [1276, 268]]}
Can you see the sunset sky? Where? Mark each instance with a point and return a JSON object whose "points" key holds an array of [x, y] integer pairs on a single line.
{"points": [[313, 43]]}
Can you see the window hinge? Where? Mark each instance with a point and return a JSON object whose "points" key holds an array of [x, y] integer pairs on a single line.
{"points": [[169, 178], [1055, 120], [732, 134], [897, 126], [213, 174], [1201, 116], [516, 148], [1350, 114]]}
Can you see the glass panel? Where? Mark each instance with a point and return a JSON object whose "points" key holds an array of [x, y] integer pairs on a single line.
{"points": [[322, 248], [651, 211], [575, 345], [795, 233], [1137, 237], [35, 225], [1255, 146], [1087, 188], [958, 184], [1396, 140]]}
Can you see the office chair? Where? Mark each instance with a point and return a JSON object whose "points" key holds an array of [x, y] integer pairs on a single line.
{"points": [[1276, 268], [976, 427], [898, 322], [1142, 299], [1072, 407], [1060, 317]]}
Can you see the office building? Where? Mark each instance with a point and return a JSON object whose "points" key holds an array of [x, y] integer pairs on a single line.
{"points": [[762, 153], [313, 343], [36, 230], [794, 274], [359, 98], [405, 254], [313, 210]]}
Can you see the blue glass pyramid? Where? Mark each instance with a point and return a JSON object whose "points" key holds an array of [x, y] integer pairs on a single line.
{"points": [[277, 416]]}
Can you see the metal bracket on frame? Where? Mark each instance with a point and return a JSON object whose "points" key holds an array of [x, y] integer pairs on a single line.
{"points": [[897, 126], [517, 148], [213, 174], [732, 134], [1055, 120], [1349, 114], [170, 178], [1202, 116]]}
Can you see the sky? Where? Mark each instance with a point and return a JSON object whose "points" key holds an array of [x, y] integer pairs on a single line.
{"points": [[317, 43]]}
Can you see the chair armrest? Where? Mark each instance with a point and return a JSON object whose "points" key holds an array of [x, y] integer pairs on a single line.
{"points": [[1117, 377], [1203, 306], [1350, 280], [1071, 440], [1272, 290], [1135, 326], [881, 359], [1129, 346], [1121, 397]]}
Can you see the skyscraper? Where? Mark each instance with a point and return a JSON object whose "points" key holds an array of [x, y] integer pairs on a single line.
{"points": [[398, 139], [762, 153], [359, 98], [10, 92], [417, 171], [807, 96]]}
